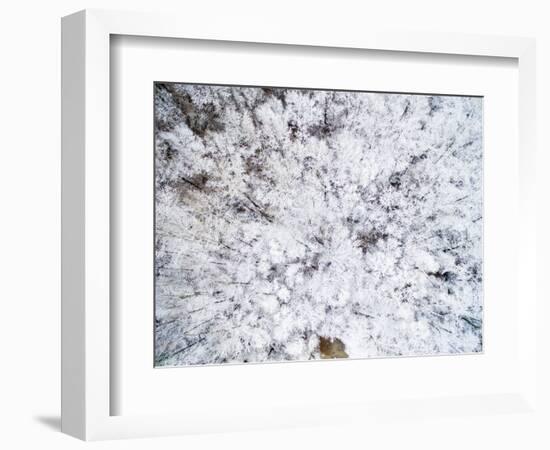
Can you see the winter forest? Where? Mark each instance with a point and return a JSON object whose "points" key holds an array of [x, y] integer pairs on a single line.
{"points": [[301, 224]]}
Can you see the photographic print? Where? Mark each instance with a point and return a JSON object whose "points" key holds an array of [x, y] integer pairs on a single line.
{"points": [[297, 224]]}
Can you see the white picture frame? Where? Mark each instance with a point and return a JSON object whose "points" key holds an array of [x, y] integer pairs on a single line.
{"points": [[86, 324]]}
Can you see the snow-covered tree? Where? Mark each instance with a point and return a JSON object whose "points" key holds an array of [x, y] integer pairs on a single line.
{"points": [[286, 219]]}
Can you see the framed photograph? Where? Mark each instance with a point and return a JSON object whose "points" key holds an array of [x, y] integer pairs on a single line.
{"points": [[267, 228]]}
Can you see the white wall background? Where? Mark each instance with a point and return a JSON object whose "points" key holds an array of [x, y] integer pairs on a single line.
{"points": [[29, 223]]}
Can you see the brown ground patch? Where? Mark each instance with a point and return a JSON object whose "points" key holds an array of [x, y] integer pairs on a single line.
{"points": [[332, 348]]}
